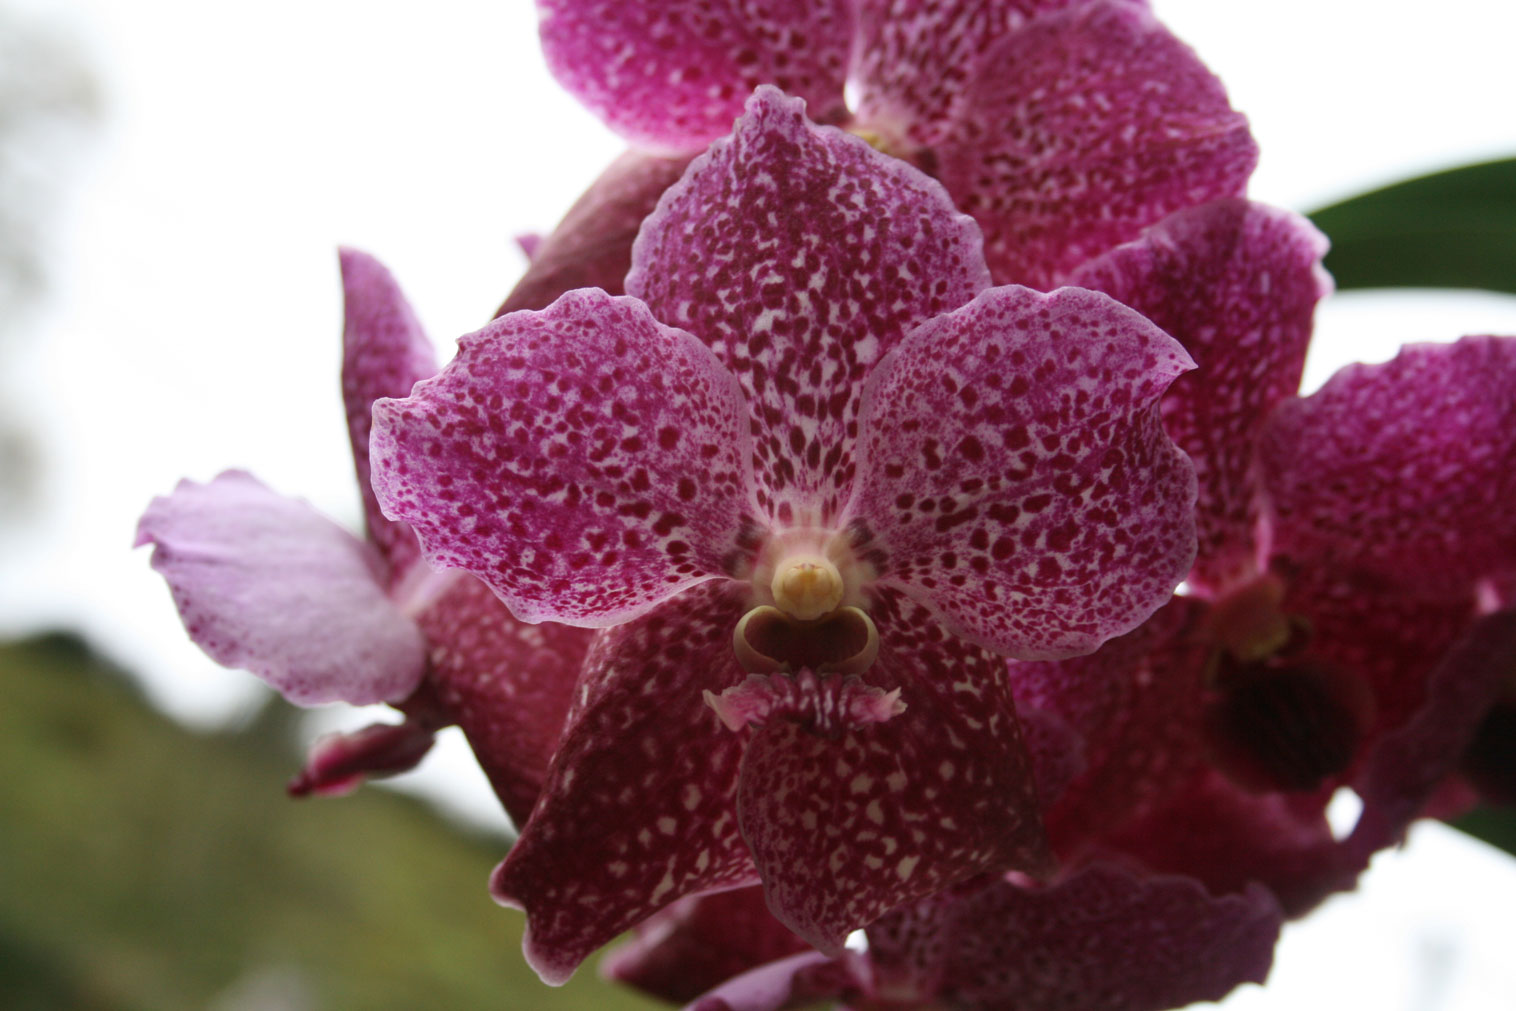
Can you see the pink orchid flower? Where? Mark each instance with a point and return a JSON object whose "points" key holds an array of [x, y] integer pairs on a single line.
{"points": [[853, 456], [266, 583]]}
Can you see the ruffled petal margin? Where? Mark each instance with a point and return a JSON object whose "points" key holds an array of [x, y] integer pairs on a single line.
{"points": [[1014, 475], [585, 461]]}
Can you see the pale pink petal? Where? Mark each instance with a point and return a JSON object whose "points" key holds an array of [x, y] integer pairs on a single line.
{"points": [[673, 75], [639, 808], [915, 58], [592, 245], [266, 583], [1406, 469], [1082, 128], [384, 353], [801, 255], [846, 825], [1014, 474], [1103, 939], [507, 684], [1236, 283], [699, 942], [585, 461]]}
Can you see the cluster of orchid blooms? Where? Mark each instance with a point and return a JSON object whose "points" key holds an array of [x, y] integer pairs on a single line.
{"points": [[798, 548]]}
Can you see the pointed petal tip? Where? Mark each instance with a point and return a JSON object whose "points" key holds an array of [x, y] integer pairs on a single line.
{"points": [[550, 968]]}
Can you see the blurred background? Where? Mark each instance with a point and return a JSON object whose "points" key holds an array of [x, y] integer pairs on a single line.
{"points": [[174, 180]]}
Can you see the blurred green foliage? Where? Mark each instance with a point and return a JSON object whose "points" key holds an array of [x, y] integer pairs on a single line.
{"points": [[144, 866], [1453, 229]]}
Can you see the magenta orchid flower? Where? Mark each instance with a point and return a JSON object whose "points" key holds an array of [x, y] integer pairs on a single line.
{"points": [[852, 457], [1327, 640], [266, 583], [1063, 127]]}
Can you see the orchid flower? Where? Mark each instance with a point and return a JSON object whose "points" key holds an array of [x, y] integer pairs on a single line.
{"points": [[853, 457], [1064, 127], [266, 583], [1329, 636]]}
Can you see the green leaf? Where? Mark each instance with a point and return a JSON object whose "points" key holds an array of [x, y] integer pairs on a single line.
{"points": [[1454, 229], [1494, 825]]}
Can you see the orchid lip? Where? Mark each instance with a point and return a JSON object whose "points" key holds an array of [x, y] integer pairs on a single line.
{"points": [[769, 641]]}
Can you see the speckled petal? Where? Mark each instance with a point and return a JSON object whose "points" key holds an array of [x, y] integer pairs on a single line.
{"points": [[1409, 765], [845, 828], [1407, 468], [1236, 283], [592, 245], [791, 984], [1104, 939], [1137, 704], [1084, 127], [914, 58], [639, 809], [673, 75], [801, 255], [268, 584], [699, 942], [585, 461], [1014, 474], [507, 684], [1229, 839], [384, 353]]}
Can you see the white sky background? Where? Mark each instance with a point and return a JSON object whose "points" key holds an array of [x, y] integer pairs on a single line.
{"points": [[196, 314]]}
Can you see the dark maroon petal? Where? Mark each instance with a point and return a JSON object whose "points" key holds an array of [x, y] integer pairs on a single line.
{"points": [[845, 827], [507, 684], [384, 353], [1236, 283], [268, 584], [1406, 769], [1055, 750], [1406, 469], [699, 942], [1291, 723], [1104, 939], [915, 58], [801, 255], [1014, 474], [639, 808], [1082, 128], [1388, 637], [592, 245], [1137, 703], [585, 461], [339, 763], [809, 980], [674, 75], [1228, 838]]}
